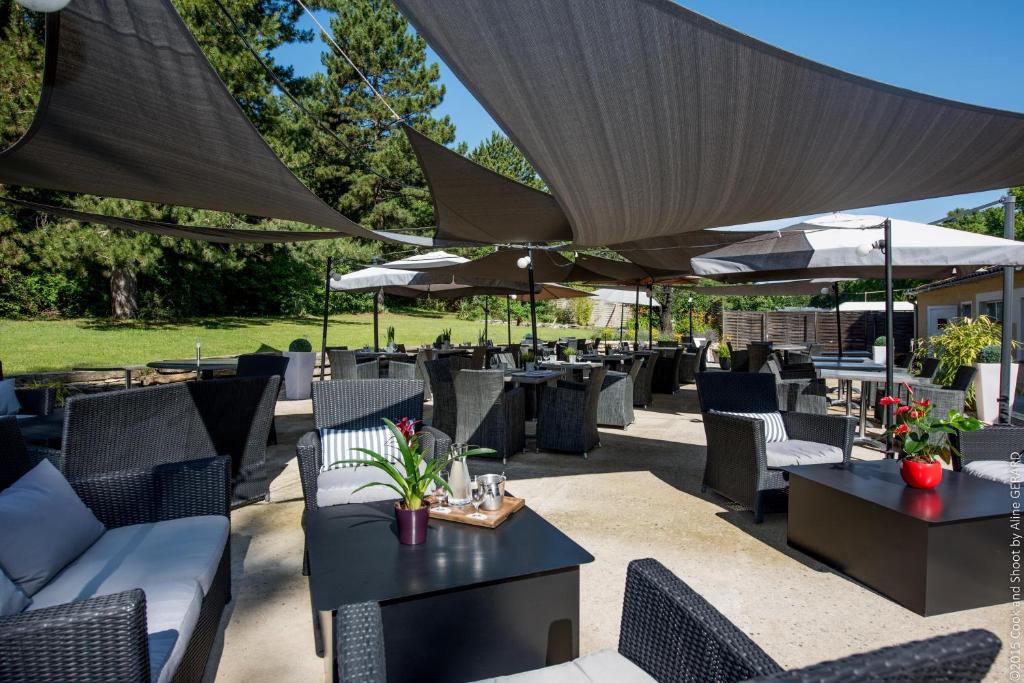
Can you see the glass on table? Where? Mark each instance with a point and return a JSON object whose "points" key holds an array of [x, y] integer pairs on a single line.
{"points": [[477, 499]]}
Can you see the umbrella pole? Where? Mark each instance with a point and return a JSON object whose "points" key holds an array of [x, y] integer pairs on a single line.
{"points": [[487, 315], [376, 314], [1005, 409], [889, 341], [622, 322], [327, 301], [533, 304], [508, 312], [636, 319], [839, 321], [650, 316]]}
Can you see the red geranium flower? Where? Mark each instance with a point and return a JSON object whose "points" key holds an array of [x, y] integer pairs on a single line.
{"points": [[901, 429], [902, 409], [407, 427], [889, 401]]}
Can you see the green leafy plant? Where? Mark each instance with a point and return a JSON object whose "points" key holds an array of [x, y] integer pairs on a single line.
{"points": [[300, 346], [915, 426], [959, 343], [481, 338], [527, 356], [61, 389], [723, 350], [419, 473], [444, 338], [570, 353], [880, 341], [607, 334], [990, 354], [582, 308], [391, 335]]}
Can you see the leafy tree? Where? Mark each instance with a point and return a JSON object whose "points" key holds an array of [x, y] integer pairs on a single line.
{"points": [[990, 221]]}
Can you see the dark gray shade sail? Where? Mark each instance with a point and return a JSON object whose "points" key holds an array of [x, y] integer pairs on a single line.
{"points": [[130, 107], [475, 204], [770, 288], [673, 253], [548, 266], [646, 119], [192, 232]]}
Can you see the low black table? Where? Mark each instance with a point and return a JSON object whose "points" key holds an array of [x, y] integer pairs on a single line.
{"points": [[470, 603], [43, 430], [931, 551]]}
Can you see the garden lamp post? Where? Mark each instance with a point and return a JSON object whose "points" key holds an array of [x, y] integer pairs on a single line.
{"points": [[689, 302]]}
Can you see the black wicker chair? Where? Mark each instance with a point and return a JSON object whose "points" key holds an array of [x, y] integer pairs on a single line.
{"points": [[688, 366], [928, 367], [798, 390], [665, 379], [673, 634], [263, 365], [104, 638], [414, 370], [360, 404], [441, 374], [120, 430], [615, 407], [758, 354], [702, 356], [567, 415], [989, 453], [737, 458], [345, 366], [642, 390], [39, 401], [490, 415]]}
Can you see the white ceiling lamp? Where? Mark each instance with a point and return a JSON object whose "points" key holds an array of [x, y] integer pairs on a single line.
{"points": [[524, 262], [44, 5]]}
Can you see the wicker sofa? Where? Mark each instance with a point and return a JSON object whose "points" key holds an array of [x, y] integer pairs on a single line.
{"points": [[741, 464], [142, 603], [670, 633]]}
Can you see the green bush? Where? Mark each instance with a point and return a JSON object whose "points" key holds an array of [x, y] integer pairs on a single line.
{"points": [[960, 343], [990, 354], [880, 341], [300, 346]]}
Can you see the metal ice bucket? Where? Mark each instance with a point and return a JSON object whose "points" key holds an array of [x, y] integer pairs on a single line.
{"points": [[494, 490]]}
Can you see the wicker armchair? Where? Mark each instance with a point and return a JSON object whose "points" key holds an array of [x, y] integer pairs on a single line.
{"points": [[758, 354], [489, 415], [39, 401], [360, 404], [666, 371], [673, 634], [414, 370], [441, 373], [688, 366], [798, 390], [263, 365], [345, 366], [737, 457], [104, 638], [615, 406], [643, 392], [989, 452], [567, 415], [702, 356], [131, 428]]}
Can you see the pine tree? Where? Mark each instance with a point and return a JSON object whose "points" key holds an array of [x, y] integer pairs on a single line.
{"points": [[498, 153]]}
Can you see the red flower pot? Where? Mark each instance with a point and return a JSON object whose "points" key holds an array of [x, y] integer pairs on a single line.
{"points": [[412, 524], [921, 475]]}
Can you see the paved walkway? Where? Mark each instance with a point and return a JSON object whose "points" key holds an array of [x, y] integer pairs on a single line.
{"points": [[636, 496]]}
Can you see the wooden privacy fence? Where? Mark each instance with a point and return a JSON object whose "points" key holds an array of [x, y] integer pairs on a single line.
{"points": [[860, 328]]}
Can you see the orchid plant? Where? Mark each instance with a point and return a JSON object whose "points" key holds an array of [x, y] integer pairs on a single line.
{"points": [[412, 484], [914, 426]]}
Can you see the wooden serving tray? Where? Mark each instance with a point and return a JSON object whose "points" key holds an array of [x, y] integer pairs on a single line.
{"points": [[493, 519]]}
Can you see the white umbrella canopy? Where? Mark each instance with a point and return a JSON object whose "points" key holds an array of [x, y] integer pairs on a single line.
{"points": [[432, 259], [841, 244], [625, 296]]}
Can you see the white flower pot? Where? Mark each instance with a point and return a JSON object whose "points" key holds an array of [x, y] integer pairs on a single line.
{"points": [[986, 390], [298, 377], [878, 354]]}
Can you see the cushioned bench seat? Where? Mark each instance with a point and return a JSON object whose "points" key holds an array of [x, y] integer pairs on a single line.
{"points": [[1001, 471], [597, 667], [798, 452], [174, 562]]}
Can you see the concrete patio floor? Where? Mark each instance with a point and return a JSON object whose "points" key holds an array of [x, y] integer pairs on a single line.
{"points": [[638, 495]]}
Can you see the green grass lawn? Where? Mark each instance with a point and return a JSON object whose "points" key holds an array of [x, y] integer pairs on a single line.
{"points": [[43, 345]]}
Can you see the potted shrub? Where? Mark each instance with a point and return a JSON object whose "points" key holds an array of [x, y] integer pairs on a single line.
{"points": [[878, 350], [986, 383], [390, 346], [528, 360], [923, 440], [411, 478], [724, 356], [570, 354], [298, 376]]}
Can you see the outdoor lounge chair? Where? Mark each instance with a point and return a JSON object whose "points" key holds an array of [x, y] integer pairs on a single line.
{"points": [[989, 453], [615, 407], [799, 390], [489, 414], [345, 366], [742, 463], [670, 633], [642, 389], [34, 402], [567, 415], [143, 601], [131, 428], [356, 405]]}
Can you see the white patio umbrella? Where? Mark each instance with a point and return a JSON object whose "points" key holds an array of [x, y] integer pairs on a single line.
{"points": [[627, 297], [862, 246]]}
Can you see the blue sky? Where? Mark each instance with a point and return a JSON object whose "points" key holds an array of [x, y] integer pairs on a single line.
{"points": [[968, 50]]}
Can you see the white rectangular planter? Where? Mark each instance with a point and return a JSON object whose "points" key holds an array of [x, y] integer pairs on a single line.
{"points": [[878, 354], [298, 376], [986, 390]]}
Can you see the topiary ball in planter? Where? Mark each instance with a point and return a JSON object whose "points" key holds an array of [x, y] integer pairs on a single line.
{"points": [[300, 346], [298, 376], [990, 354]]}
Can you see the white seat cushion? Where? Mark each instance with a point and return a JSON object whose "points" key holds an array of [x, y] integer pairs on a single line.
{"points": [[1002, 471], [797, 452], [335, 487], [603, 666], [337, 446]]}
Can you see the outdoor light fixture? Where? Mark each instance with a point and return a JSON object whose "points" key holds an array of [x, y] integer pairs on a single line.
{"points": [[523, 262], [44, 5], [515, 296], [824, 290], [336, 276], [864, 249]]}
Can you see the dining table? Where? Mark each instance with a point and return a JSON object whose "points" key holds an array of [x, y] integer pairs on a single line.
{"points": [[204, 367], [847, 373]]}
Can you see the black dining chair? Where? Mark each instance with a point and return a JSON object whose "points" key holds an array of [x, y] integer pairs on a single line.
{"points": [[263, 365]]}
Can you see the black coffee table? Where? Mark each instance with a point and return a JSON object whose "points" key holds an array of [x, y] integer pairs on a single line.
{"points": [[470, 603], [43, 430], [931, 551]]}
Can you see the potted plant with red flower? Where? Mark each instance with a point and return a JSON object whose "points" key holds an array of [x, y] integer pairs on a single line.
{"points": [[411, 478], [914, 430]]}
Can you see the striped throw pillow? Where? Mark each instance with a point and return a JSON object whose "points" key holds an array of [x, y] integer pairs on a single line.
{"points": [[337, 445], [774, 427]]}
